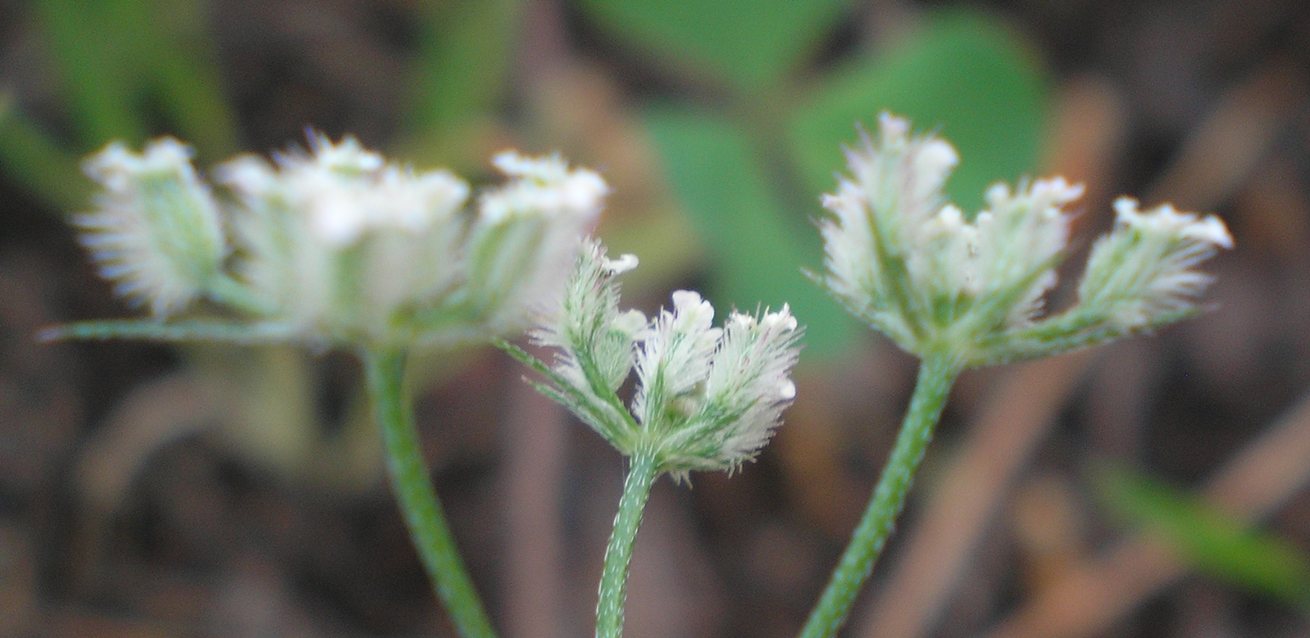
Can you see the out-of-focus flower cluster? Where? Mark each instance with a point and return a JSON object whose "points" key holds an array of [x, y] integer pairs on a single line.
{"points": [[937, 280], [706, 397], [338, 244], [156, 231]]}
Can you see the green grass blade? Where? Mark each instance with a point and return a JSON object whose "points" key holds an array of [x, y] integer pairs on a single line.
{"points": [[31, 157], [1211, 541]]}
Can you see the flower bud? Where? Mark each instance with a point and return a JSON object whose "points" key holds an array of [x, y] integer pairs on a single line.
{"points": [[526, 236], [343, 244], [1143, 271], [902, 257], [745, 391], [156, 230], [706, 397], [587, 325]]}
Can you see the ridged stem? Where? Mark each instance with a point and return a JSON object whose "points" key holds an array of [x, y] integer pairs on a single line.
{"points": [[385, 370], [936, 375], [618, 553]]}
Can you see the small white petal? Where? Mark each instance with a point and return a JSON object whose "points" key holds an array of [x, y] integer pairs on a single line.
{"points": [[893, 127], [624, 263], [631, 322], [936, 157], [1167, 219], [542, 186], [740, 321], [689, 306], [347, 156], [782, 318]]}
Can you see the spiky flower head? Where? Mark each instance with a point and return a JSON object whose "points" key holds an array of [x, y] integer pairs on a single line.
{"points": [[1144, 268], [706, 397], [336, 245], [351, 247], [938, 280], [338, 242], [741, 386], [155, 231], [527, 235]]}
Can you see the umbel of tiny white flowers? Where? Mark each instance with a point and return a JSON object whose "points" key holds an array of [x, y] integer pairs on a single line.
{"points": [[338, 245], [707, 398], [914, 266]]}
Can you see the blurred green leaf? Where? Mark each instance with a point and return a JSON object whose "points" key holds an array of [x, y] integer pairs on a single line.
{"points": [[747, 43], [175, 58], [1212, 541], [962, 74], [462, 70], [666, 242], [757, 258], [112, 56], [29, 156], [90, 42], [188, 89]]}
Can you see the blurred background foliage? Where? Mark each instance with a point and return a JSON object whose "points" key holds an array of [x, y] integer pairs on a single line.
{"points": [[149, 491]]}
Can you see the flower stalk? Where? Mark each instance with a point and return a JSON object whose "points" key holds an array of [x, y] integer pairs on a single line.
{"points": [[385, 372], [707, 398], [339, 247], [968, 290], [936, 376], [618, 552]]}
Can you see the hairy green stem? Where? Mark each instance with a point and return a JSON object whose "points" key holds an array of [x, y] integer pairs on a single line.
{"points": [[618, 553], [936, 375], [410, 481]]}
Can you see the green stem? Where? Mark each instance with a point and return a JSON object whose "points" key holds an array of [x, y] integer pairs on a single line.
{"points": [[936, 375], [410, 481], [618, 553], [224, 289]]}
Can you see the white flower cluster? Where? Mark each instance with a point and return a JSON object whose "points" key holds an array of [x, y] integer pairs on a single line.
{"points": [[340, 245], [706, 398], [932, 278]]}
